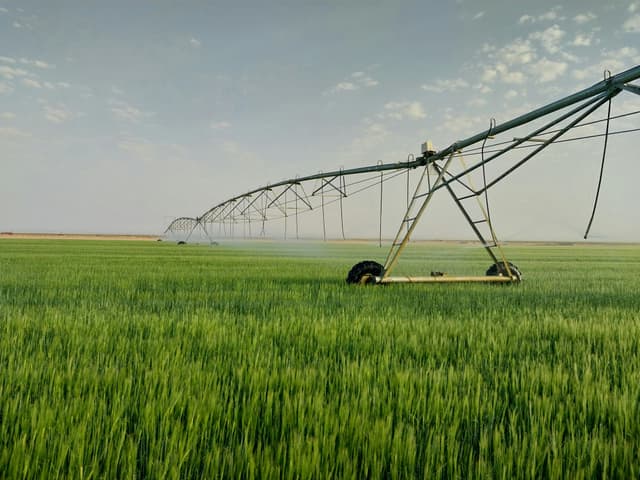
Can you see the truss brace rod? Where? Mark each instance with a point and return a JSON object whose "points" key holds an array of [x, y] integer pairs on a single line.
{"points": [[304, 200], [344, 189], [324, 225], [492, 124], [280, 195], [407, 196], [204, 229], [469, 220], [380, 219], [277, 204], [191, 232], [296, 206], [253, 201], [330, 182], [632, 88]]}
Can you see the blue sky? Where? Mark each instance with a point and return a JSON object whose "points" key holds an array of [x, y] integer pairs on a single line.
{"points": [[118, 116]]}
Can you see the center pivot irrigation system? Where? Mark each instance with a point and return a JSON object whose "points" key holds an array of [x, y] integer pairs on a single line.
{"points": [[467, 182]]}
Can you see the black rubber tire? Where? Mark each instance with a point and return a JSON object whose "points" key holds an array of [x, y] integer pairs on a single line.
{"points": [[182, 242], [499, 270], [367, 268]]}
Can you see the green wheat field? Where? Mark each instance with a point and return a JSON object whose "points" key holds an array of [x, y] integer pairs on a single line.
{"points": [[257, 360]]}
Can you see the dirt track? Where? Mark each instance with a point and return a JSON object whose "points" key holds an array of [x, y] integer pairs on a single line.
{"points": [[76, 236]]}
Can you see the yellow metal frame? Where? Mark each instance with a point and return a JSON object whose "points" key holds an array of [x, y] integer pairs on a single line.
{"points": [[399, 245], [397, 248], [446, 279], [368, 279]]}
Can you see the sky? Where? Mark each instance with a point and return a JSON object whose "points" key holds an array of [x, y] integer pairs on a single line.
{"points": [[116, 117]]}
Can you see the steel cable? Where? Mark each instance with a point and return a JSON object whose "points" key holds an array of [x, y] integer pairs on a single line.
{"points": [[604, 155]]}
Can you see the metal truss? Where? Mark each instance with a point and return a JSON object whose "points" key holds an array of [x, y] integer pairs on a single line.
{"points": [[461, 170]]}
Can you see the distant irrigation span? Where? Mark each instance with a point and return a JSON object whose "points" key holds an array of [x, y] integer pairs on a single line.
{"points": [[459, 170]]}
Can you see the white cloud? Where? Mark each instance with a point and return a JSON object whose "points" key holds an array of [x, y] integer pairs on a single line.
{"points": [[551, 15], [355, 81], [583, 18], [377, 129], [478, 16], [548, 16], [509, 62], [632, 25], [634, 7], [550, 38], [220, 125], [13, 133], [7, 59], [364, 79], [148, 151], [57, 114], [372, 137], [477, 102], [526, 19], [446, 85], [513, 77], [517, 53], [415, 110], [139, 147], [344, 86], [17, 25], [10, 73], [30, 82], [487, 48], [594, 72], [368, 82], [570, 57], [241, 153], [124, 111], [195, 43], [582, 40], [489, 74], [547, 70], [3, 10], [581, 73], [7, 115], [400, 110], [458, 126], [501, 72], [36, 63], [629, 54], [4, 88], [482, 88], [63, 84]]}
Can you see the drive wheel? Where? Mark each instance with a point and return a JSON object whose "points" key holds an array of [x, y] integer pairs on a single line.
{"points": [[364, 272], [500, 270]]}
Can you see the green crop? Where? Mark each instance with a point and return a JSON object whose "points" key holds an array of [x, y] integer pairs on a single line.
{"points": [[151, 360]]}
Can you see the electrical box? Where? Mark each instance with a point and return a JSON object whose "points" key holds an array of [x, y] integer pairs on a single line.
{"points": [[427, 148]]}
